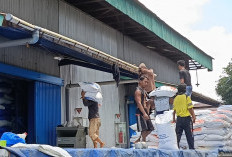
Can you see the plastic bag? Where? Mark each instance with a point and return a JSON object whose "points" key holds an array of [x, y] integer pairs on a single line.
{"points": [[11, 139], [208, 131], [134, 127], [2, 107]]}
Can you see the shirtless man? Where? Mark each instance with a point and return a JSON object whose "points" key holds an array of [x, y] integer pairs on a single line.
{"points": [[144, 124], [143, 70]]}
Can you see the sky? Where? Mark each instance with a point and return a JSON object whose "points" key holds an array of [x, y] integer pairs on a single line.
{"points": [[208, 25]]}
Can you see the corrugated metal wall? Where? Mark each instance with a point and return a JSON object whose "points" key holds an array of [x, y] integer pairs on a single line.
{"points": [[47, 112], [43, 13], [77, 25]]}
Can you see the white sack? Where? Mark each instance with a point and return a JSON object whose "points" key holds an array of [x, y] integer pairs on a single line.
{"points": [[90, 87], [216, 123], [166, 131], [167, 91], [208, 131], [93, 91], [209, 144], [5, 123], [4, 101], [53, 151]]}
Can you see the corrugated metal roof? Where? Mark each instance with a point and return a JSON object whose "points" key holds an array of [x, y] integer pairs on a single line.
{"points": [[134, 20], [145, 17]]}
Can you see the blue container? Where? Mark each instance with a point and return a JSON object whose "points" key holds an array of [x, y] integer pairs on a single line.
{"points": [[132, 107]]}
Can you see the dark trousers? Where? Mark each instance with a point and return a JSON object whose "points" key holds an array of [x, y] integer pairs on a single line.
{"points": [[185, 123]]}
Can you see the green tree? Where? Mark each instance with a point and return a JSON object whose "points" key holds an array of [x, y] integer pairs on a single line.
{"points": [[224, 86]]}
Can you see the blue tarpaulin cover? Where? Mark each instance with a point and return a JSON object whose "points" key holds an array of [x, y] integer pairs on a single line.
{"points": [[106, 152]]}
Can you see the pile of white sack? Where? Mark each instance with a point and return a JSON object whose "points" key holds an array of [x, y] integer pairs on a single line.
{"points": [[164, 135], [212, 129], [7, 108]]}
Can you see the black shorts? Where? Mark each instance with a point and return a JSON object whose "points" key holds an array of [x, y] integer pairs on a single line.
{"points": [[142, 124]]}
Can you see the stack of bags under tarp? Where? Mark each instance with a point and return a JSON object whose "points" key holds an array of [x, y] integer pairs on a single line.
{"points": [[212, 129], [7, 109]]}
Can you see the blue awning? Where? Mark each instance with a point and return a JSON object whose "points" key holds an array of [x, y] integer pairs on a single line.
{"points": [[77, 58]]}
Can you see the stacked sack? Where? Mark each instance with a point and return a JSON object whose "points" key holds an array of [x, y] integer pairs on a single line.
{"points": [[212, 129], [6, 105], [163, 136], [165, 128]]}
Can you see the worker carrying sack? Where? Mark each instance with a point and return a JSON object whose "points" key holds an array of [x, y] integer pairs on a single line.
{"points": [[93, 91], [164, 91]]}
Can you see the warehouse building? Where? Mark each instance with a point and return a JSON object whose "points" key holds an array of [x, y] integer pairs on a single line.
{"points": [[48, 46]]}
